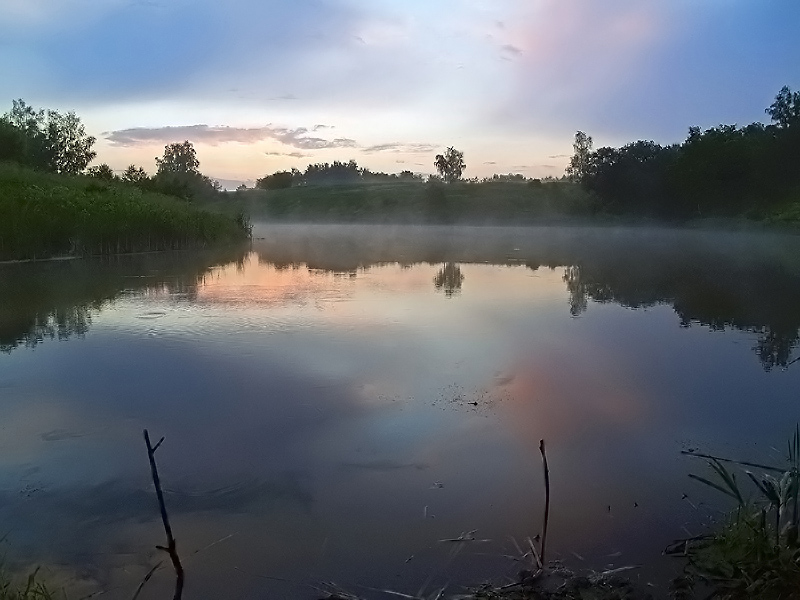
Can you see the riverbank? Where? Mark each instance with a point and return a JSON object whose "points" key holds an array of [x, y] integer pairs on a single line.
{"points": [[46, 215], [415, 202], [530, 202]]}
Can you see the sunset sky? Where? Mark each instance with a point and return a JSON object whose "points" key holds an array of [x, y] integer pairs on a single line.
{"points": [[265, 85]]}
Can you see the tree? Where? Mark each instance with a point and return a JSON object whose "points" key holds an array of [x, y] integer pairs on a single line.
{"points": [[135, 175], [69, 149], [450, 165], [277, 181], [178, 173], [578, 167], [103, 172], [178, 158], [785, 111], [45, 140]]}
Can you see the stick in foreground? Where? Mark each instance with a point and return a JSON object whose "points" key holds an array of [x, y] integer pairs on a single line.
{"points": [[546, 499], [170, 548]]}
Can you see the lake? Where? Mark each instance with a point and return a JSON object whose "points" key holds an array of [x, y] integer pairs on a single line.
{"points": [[336, 401]]}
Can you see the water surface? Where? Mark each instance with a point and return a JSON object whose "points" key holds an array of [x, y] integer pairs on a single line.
{"points": [[337, 400]]}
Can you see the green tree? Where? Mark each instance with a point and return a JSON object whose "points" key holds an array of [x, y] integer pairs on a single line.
{"points": [[134, 174], [69, 148], [178, 158], [178, 173], [578, 167], [450, 165], [103, 172], [22, 136], [277, 181], [46, 140], [785, 111]]}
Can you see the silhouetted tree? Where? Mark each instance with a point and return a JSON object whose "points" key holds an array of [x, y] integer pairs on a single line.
{"points": [[723, 171], [103, 172], [337, 172], [178, 158], [178, 173], [277, 181], [135, 175], [785, 111], [578, 167], [409, 176], [450, 165]]}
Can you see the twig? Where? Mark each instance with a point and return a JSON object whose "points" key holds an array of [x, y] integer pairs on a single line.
{"points": [[546, 499], [535, 553], [171, 546], [145, 580]]}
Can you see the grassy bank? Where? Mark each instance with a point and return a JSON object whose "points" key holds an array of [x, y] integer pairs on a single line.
{"points": [[416, 202], [45, 215], [485, 203]]}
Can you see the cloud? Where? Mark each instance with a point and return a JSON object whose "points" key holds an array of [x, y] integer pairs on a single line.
{"points": [[558, 156], [296, 138], [322, 126], [490, 162], [510, 50], [289, 154], [401, 147]]}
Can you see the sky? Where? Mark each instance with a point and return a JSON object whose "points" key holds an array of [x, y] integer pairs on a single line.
{"points": [[265, 85]]}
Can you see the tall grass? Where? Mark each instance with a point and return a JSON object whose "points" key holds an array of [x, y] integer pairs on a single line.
{"points": [[46, 215], [32, 589]]}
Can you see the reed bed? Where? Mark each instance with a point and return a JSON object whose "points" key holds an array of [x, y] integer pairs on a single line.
{"points": [[44, 215]]}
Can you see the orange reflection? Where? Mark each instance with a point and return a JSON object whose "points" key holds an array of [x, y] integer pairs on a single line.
{"points": [[554, 397]]}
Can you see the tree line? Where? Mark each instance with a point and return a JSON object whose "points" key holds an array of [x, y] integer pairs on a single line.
{"points": [[726, 170], [335, 173]]}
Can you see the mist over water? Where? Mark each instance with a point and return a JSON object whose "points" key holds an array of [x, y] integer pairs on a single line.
{"points": [[336, 400]]}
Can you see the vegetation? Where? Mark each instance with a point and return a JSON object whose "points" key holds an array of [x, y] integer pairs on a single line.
{"points": [[57, 300], [45, 140], [410, 200], [756, 554], [335, 173], [724, 171], [450, 165], [32, 589], [47, 208], [45, 214]]}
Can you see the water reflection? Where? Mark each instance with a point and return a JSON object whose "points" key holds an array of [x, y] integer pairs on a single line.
{"points": [[56, 300], [449, 278], [322, 400], [744, 281], [748, 282]]}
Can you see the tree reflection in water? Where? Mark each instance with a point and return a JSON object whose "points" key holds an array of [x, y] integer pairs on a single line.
{"points": [[449, 278]]}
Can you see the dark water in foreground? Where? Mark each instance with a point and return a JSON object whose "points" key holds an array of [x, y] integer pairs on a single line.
{"points": [[335, 401]]}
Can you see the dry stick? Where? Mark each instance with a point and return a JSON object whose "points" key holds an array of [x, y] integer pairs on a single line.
{"points": [[170, 549], [546, 499]]}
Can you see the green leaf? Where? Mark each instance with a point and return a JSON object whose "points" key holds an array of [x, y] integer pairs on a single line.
{"points": [[716, 486]]}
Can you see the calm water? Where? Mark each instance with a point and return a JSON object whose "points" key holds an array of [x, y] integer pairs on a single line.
{"points": [[335, 401]]}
